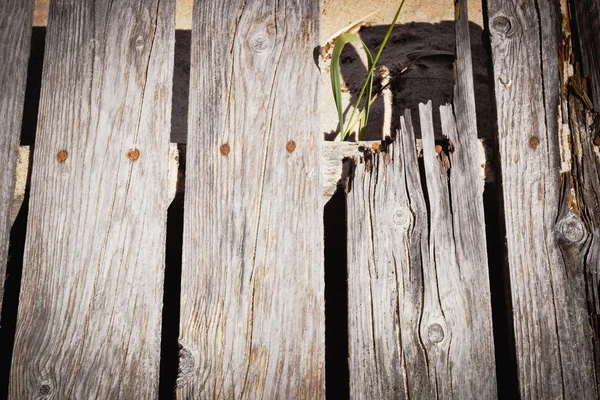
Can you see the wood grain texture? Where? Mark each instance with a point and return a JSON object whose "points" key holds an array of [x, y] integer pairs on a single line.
{"points": [[91, 298], [419, 299], [252, 305], [15, 34], [544, 234]]}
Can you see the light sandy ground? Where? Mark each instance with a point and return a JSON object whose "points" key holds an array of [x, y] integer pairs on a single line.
{"points": [[336, 13], [424, 26]]}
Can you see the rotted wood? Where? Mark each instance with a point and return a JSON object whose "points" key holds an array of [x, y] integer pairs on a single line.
{"points": [[90, 308], [252, 296], [548, 202], [581, 198], [15, 35]]}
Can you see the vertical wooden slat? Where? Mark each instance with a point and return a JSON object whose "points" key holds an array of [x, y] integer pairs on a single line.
{"points": [[91, 299], [545, 229], [584, 124], [252, 319], [419, 300], [15, 34], [387, 252]]}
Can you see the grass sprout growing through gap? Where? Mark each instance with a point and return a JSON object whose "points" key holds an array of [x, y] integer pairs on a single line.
{"points": [[356, 117]]}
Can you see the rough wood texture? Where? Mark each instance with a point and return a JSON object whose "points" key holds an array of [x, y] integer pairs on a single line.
{"points": [[545, 234], [91, 298], [15, 34], [252, 305], [419, 300]]}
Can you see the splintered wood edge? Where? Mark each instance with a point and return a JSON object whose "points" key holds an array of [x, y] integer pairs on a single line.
{"points": [[336, 171], [173, 172]]}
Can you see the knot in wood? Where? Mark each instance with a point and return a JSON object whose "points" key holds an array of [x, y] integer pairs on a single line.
{"points": [[45, 389], [597, 141], [139, 43], [401, 217], [187, 362], [502, 24], [572, 229], [435, 333], [259, 43]]}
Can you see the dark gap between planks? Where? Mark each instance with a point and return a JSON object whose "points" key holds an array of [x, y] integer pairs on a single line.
{"points": [[16, 249], [337, 375], [169, 352], [493, 203]]}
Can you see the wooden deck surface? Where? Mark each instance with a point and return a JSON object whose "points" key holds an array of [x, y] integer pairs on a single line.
{"points": [[249, 293]]}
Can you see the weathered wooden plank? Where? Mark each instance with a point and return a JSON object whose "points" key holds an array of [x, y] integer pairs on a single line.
{"points": [[15, 34], [387, 252], [419, 298], [580, 133], [418, 294], [252, 319], [91, 299], [544, 232]]}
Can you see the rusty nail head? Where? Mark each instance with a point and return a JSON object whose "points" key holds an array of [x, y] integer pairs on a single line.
{"points": [[597, 141], [62, 155], [375, 147], [133, 154], [291, 145], [534, 142], [225, 149], [438, 149]]}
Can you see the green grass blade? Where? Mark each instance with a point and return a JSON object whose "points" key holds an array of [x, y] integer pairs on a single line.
{"points": [[335, 72], [368, 85]]}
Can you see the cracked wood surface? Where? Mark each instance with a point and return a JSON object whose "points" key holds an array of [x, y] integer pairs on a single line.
{"points": [[419, 297], [419, 302], [91, 298], [15, 34], [252, 296], [546, 234]]}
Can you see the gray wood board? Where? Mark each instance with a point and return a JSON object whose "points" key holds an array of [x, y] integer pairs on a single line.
{"points": [[420, 322], [252, 296], [552, 329], [419, 297], [90, 307], [15, 34]]}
